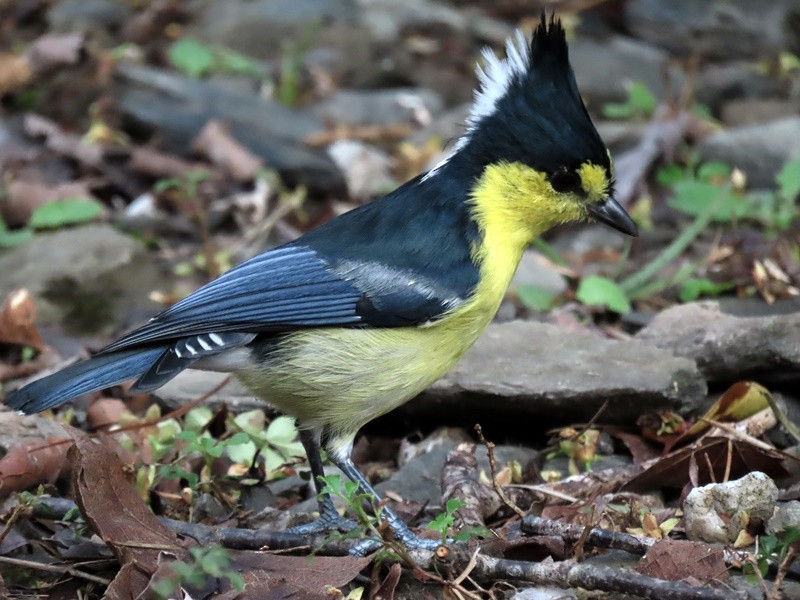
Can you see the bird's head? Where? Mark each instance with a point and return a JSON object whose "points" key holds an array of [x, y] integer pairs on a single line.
{"points": [[531, 144]]}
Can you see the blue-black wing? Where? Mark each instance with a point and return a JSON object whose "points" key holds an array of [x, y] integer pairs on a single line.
{"points": [[285, 288]]}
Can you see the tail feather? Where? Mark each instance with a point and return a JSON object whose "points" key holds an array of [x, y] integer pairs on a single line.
{"points": [[84, 377]]}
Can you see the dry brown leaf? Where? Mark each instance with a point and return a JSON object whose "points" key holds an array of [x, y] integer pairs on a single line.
{"points": [[129, 583], [217, 144], [313, 574], [54, 50], [15, 73], [31, 463], [675, 560], [18, 320], [59, 141], [385, 591], [723, 455], [106, 411], [23, 197], [113, 508], [159, 164]]}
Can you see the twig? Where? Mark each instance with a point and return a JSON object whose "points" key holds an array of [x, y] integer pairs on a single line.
{"points": [[783, 568], [473, 561], [31, 564], [545, 491], [13, 517], [495, 484], [568, 574], [598, 537]]}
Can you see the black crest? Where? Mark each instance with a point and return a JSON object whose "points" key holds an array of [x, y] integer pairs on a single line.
{"points": [[529, 108]]}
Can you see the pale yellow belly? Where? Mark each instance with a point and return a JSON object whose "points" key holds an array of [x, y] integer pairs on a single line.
{"points": [[344, 378]]}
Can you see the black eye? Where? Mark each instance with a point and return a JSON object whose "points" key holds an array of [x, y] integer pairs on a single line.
{"points": [[565, 181]]}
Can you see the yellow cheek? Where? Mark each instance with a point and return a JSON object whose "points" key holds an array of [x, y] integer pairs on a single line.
{"points": [[594, 181]]}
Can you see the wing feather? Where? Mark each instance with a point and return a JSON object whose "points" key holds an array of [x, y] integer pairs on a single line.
{"points": [[282, 289]]}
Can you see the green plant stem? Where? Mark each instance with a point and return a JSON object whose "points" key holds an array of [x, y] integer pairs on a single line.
{"points": [[549, 252], [671, 252]]}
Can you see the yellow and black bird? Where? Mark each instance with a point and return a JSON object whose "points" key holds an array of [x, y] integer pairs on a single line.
{"points": [[362, 314]]}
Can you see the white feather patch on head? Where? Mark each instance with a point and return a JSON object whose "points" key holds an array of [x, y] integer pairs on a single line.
{"points": [[495, 77]]}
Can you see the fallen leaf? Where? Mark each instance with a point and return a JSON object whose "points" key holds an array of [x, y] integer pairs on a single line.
{"points": [[105, 412], [675, 560], [54, 50], [741, 400], [217, 144], [385, 591], [724, 456], [15, 73], [18, 320], [24, 197], [31, 463], [314, 574], [114, 510]]}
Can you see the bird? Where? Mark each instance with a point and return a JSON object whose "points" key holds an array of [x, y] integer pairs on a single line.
{"points": [[361, 314]]}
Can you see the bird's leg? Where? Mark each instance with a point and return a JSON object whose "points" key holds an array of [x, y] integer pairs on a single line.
{"points": [[329, 518], [339, 455]]}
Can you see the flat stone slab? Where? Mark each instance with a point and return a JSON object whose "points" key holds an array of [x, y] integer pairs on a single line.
{"points": [[541, 371], [86, 279], [526, 370], [728, 348]]}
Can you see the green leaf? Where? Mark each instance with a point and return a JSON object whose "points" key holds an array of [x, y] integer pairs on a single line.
{"points": [[693, 198], [191, 57], [197, 418], [695, 287], [9, 239], [713, 170], [601, 291], [669, 175], [58, 213], [242, 454], [231, 61], [535, 298], [789, 179], [281, 431], [642, 99], [617, 110]]}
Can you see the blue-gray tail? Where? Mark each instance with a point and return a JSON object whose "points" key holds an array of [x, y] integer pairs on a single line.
{"points": [[84, 377]]}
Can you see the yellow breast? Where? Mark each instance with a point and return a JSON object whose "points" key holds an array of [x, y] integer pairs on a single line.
{"points": [[343, 378]]}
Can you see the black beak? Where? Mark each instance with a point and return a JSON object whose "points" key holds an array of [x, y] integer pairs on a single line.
{"points": [[612, 214]]}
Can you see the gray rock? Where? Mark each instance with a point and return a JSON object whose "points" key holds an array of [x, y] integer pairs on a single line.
{"points": [[738, 113], [367, 170], [544, 593], [727, 348], [190, 385], [446, 127], [387, 19], [758, 150], [379, 107], [787, 516], [262, 28], [86, 279], [721, 82], [533, 270], [720, 30], [719, 511], [419, 479], [75, 15], [606, 68], [539, 371], [179, 107]]}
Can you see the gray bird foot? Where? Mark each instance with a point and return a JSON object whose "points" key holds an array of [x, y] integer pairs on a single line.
{"points": [[327, 521]]}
